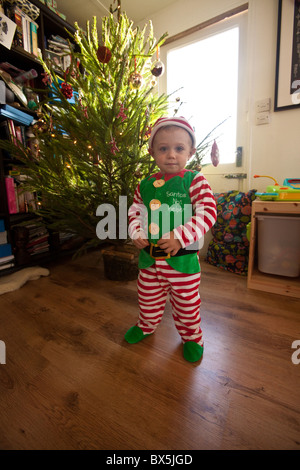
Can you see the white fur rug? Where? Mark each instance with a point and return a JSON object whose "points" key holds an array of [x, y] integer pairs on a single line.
{"points": [[18, 279]]}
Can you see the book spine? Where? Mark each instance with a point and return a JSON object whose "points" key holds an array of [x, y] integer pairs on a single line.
{"points": [[18, 39], [25, 37], [6, 266], [26, 31], [34, 38], [5, 250], [19, 134], [12, 131], [3, 237], [11, 195]]}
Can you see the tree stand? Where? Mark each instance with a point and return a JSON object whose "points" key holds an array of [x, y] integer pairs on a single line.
{"points": [[121, 262]]}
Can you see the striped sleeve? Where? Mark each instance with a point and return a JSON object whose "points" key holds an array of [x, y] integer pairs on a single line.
{"points": [[204, 212], [136, 216]]}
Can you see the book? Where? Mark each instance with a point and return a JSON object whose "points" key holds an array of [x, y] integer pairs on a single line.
{"points": [[7, 30], [26, 31], [63, 44], [12, 131], [6, 259], [4, 131], [11, 195], [38, 236], [34, 38], [25, 35], [7, 265], [19, 134], [3, 237], [17, 18], [21, 200], [5, 250]]}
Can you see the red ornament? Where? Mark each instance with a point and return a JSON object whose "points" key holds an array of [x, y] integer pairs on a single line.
{"points": [[214, 155], [103, 54], [66, 90]]}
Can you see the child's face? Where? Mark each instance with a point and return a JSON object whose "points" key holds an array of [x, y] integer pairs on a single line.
{"points": [[172, 148]]}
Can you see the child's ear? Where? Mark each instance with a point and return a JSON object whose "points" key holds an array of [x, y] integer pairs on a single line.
{"points": [[193, 150], [150, 150]]}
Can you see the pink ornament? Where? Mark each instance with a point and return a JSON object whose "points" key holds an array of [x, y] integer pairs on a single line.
{"points": [[214, 155], [47, 79], [122, 114], [113, 146]]}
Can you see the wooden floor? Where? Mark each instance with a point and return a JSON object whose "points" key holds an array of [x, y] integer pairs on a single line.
{"points": [[71, 381]]}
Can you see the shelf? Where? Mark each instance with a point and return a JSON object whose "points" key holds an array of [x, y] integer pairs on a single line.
{"points": [[283, 285], [52, 17], [41, 259], [49, 23], [11, 112]]}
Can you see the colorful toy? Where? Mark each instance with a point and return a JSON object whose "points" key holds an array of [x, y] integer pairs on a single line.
{"points": [[289, 191]]}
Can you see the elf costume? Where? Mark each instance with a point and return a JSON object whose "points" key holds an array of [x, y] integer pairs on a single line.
{"points": [[183, 203]]}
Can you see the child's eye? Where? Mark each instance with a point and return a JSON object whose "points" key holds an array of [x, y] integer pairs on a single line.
{"points": [[179, 149], [163, 149]]}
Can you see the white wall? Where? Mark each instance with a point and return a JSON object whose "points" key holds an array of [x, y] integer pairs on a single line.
{"points": [[273, 149]]}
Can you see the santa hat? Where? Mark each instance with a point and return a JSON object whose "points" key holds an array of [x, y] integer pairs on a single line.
{"points": [[172, 121]]}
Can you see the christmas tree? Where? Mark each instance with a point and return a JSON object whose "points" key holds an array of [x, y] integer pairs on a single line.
{"points": [[90, 140]]}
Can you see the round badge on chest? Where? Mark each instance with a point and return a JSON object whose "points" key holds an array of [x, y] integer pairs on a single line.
{"points": [[153, 228], [158, 183], [154, 204]]}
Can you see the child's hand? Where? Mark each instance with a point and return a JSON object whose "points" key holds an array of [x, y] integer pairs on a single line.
{"points": [[169, 243], [141, 242]]}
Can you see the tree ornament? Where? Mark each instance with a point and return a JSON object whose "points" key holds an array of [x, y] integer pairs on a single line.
{"points": [[157, 68], [122, 114], [214, 155], [103, 54], [113, 146], [47, 79], [135, 80], [40, 125], [67, 90]]}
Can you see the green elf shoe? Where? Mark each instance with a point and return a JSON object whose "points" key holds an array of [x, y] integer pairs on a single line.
{"points": [[135, 334], [192, 351]]}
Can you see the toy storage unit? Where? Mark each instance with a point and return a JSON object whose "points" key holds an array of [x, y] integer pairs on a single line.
{"points": [[278, 245], [274, 247]]}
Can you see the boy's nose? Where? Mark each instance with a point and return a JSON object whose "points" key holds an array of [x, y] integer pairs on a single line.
{"points": [[171, 154]]}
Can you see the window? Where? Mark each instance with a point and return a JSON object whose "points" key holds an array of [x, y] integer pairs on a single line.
{"points": [[207, 68], [205, 73]]}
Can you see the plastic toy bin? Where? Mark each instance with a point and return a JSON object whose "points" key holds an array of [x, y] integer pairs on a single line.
{"points": [[279, 245]]}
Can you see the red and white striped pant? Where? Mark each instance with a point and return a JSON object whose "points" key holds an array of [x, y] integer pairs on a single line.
{"points": [[154, 285]]}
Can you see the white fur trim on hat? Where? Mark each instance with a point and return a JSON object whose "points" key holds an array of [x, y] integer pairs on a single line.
{"points": [[172, 121]]}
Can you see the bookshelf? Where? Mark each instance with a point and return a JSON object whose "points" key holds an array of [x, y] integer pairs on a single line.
{"points": [[24, 237]]}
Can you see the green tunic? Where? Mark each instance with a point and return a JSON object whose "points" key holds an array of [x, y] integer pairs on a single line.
{"points": [[171, 207]]}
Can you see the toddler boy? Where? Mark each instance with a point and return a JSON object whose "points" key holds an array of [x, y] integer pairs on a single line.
{"points": [[172, 210]]}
